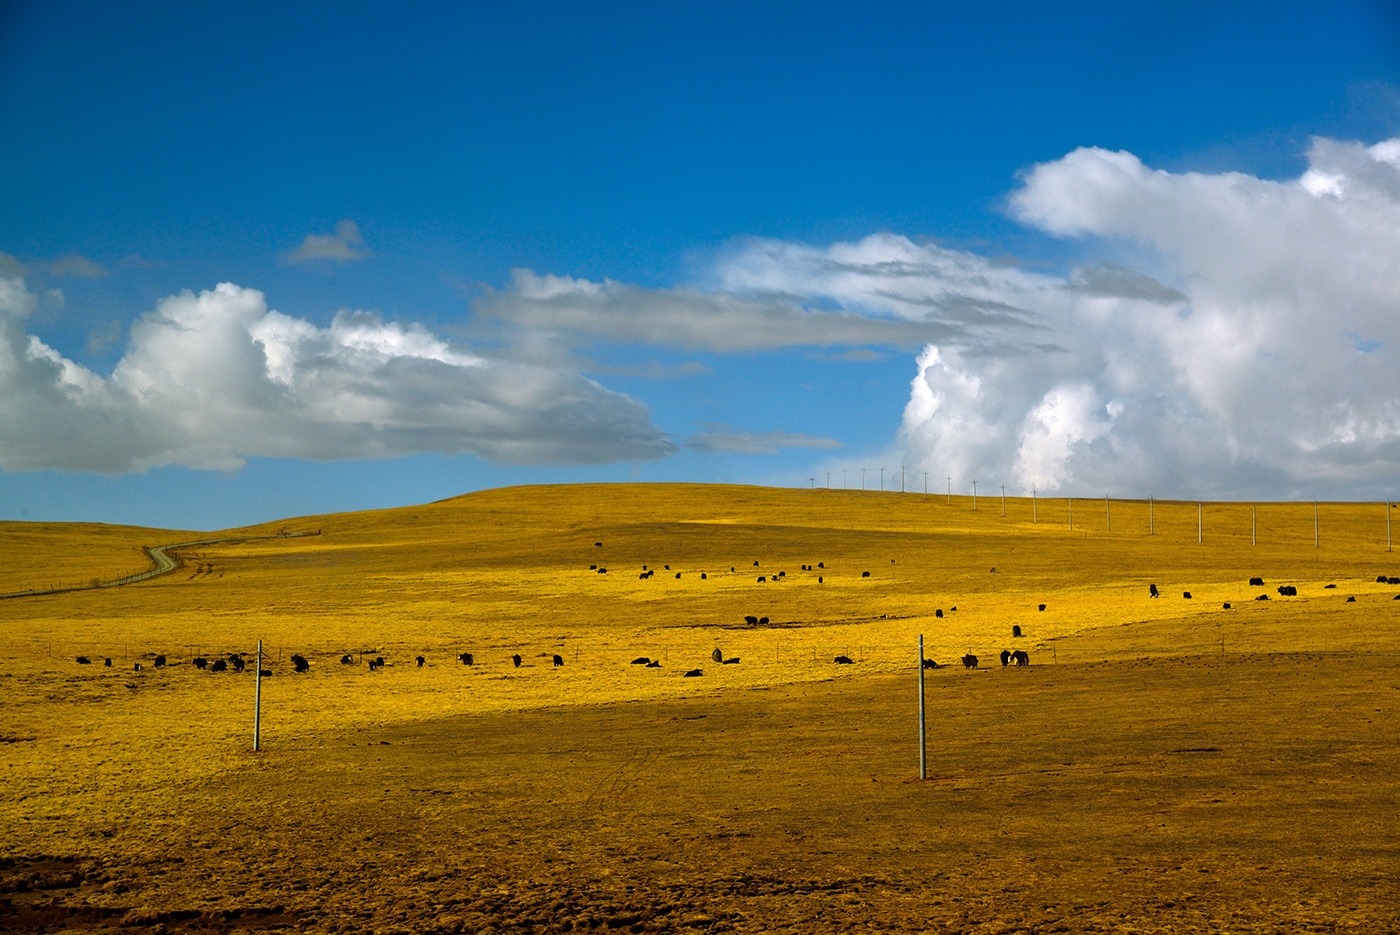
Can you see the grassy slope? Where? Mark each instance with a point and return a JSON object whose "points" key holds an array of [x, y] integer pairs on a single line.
{"points": [[98, 751]]}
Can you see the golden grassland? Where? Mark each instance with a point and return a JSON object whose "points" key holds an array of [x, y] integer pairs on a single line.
{"points": [[1164, 764]]}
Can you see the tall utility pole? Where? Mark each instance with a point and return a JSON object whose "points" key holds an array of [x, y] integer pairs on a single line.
{"points": [[843, 479], [974, 496], [882, 480], [828, 480], [1034, 518], [1108, 514], [1003, 499], [862, 478], [923, 752], [1387, 515], [901, 478], [950, 490]]}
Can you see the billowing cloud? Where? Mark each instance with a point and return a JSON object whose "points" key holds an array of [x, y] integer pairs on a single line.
{"points": [[209, 379], [346, 245], [1268, 367]]}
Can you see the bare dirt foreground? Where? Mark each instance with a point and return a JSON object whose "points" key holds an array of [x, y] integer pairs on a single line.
{"points": [[1114, 785]]}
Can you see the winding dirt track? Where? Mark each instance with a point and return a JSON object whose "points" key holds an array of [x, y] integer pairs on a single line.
{"points": [[161, 560]]}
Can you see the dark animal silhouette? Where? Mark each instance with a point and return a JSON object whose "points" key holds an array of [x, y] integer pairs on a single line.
{"points": [[703, 576], [200, 662], [930, 664], [761, 579], [602, 571], [938, 612], [598, 544], [1005, 656], [654, 664], [1021, 657], [466, 658], [159, 663], [558, 660], [1015, 629], [641, 661], [1042, 607], [678, 574], [265, 673], [1262, 597], [237, 663], [218, 665], [420, 660], [1152, 591], [592, 567], [821, 564], [819, 579], [1227, 605], [347, 660], [136, 668], [969, 661], [516, 659], [107, 662], [1186, 595], [696, 673], [751, 620], [84, 660], [300, 663], [844, 661], [1351, 600], [865, 574], [1256, 582], [1287, 590], [379, 661]]}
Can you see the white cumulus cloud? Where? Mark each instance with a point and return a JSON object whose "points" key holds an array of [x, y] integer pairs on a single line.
{"points": [[209, 379]]}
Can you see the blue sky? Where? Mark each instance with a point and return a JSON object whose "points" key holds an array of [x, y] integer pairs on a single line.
{"points": [[262, 260]]}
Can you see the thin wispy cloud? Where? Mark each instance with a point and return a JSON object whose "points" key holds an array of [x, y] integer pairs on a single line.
{"points": [[722, 438], [346, 245]]}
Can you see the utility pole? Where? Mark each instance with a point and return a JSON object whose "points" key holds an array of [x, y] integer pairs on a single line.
{"points": [[950, 490], [1034, 518], [1387, 515], [974, 496], [882, 480], [1003, 499]]}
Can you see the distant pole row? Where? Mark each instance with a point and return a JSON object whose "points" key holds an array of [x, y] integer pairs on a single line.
{"points": [[1108, 508]]}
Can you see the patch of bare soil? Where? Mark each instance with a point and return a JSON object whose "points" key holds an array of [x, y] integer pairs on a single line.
{"points": [[1186, 794]]}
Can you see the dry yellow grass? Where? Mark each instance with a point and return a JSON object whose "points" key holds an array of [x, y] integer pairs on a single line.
{"points": [[783, 780]]}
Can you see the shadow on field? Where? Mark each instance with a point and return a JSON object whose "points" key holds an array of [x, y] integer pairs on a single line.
{"points": [[1249, 793]]}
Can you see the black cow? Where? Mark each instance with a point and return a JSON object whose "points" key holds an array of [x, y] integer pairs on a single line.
{"points": [[751, 620], [1381, 579], [107, 662], [1152, 591], [602, 571], [641, 661], [1015, 628], [1186, 595], [379, 661], [667, 567], [347, 660], [1287, 590], [159, 663], [558, 660], [930, 664], [201, 662], [420, 660], [1392, 580], [1021, 657], [755, 564], [696, 673], [1005, 656], [763, 621], [598, 544], [1351, 600], [265, 673], [1042, 607], [300, 663], [1227, 605], [938, 612], [782, 574], [969, 661], [466, 658], [592, 567], [761, 579], [678, 574], [654, 664], [703, 576], [819, 579], [1262, 597], [844, 661], [865, 574], [219, 665], [84, 661], [516, 660], [1256, 582], [237, 663], [136, 668], [821, 564]]}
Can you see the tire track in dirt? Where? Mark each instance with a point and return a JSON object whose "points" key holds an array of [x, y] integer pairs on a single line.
{"points": [[161, 560]]}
